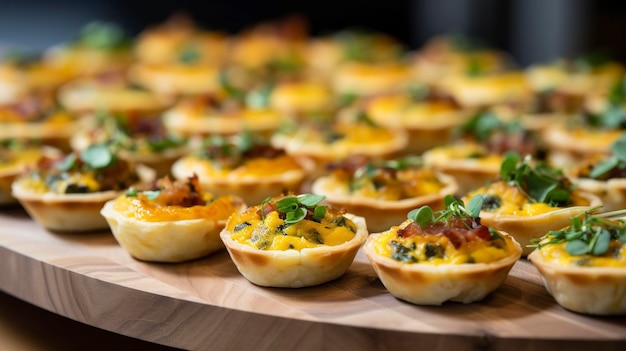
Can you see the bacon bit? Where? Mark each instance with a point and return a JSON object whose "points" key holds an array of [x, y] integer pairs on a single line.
{"points": [[459, 232], [267, 208], [179, 193]]}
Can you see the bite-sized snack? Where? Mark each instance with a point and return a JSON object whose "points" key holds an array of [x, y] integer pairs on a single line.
{"points": [[66, 193], [292, 241], [383, 191], [474, 156], [485, 90], [100, 48], [328, 141], [448, 56], [531, 199], [207, 115], [112, 94], [244, 165], [298, 98], [604, 176], [325, 54], [136, 137], [179, 58], [587, 135], [361, 79], [443, 256], [37, 116], [169, 221], [270, 50], [428, 119], [23, 74], [16, 156], [584, 265], [565, 85], [180, 40]]}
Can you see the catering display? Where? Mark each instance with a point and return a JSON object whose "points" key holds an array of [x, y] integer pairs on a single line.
{"points": [[288, 149]]}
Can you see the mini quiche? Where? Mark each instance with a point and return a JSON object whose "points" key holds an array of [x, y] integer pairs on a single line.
{"points": [[169, 221], [474, 158], [362, 79], [584, 265], [292, 241], [447, 255], [101, 48], [428, 120], [16, 156], [66, 194], [604, 176], [37, 116], [484, 90], [383, 191], [300, 98], [530, 199], [137, 137], [244, 165], [586, 135], [112, 94], [322, 142], [206, 115]]}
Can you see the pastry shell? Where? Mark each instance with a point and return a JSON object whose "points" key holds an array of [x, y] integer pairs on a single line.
{"points": [[164, 241], [426, 284], [589, 290], [293, 268], [64, 212], [612, 192], [382, 214], [526, 228]]}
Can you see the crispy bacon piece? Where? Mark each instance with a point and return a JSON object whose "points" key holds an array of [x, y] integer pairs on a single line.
{"points": [[456, 230], [180, 193]]}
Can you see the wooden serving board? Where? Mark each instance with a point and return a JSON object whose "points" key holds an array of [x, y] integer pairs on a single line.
{"points": [[207, 304]]}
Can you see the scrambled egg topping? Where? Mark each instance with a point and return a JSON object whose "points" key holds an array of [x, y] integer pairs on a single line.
{"points": [[272, 233], [614, 257], [438, 249]]}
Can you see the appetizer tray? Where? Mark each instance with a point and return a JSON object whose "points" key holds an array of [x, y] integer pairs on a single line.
{"points": [[207, 304]]}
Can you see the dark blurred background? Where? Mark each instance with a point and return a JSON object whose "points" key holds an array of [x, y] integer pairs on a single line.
{"points": [[532, 30]]}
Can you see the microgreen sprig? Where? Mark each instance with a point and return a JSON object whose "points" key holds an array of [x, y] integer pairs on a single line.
{"points": [[616, 160], [539, 182], [454, 208], [589, 234], [296, 208]]}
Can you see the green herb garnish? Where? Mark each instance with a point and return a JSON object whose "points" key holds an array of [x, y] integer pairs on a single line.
{"points": [[617, 160], [296, 208], [454, 208], [539, 182], [97, 156], [103, 36], [590, 234], [189, 54]]}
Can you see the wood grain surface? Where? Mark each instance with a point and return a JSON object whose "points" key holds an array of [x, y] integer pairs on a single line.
{"points": [[207, 304]]}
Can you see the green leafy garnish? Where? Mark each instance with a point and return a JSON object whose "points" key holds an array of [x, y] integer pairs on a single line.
{"points": [[296, 208], [260, 97], [152, 194], [483, 125], [589, 234], [617, 160], [97, 156], [102, 36], [189, 54], [132, 192], [454, 208], [539, 182]]}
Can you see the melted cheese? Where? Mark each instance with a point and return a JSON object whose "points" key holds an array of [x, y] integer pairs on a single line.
{"points": [[478, 251], [143, 209], [265, 234], [59, 186], [557, 253]]}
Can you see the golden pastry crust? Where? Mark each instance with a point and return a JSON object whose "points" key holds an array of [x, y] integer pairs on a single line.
{"points": [[488, 90], [115, 95], [590, 290], [367, 79], [293, 268], [15, 162], [461, 162], [568, 145], [150, 231], [64, 212], [176, 79], [430, 284], [197, 117], [382, 212]]}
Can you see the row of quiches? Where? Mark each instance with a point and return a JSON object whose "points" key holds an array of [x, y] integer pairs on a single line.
{"points": [[182, 222]]}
